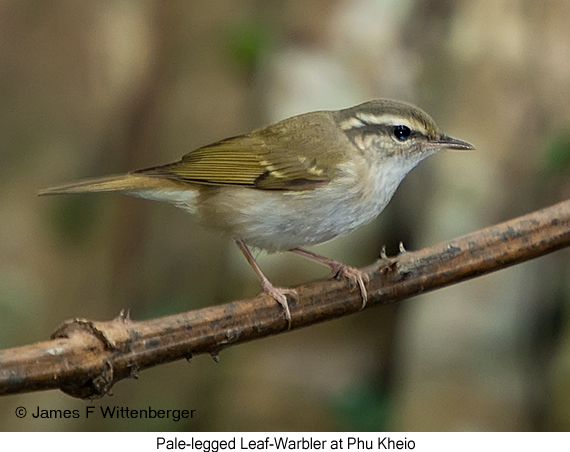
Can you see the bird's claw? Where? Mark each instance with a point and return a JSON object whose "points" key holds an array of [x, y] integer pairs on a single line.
{"points": [[356, 277], [279, 294]]}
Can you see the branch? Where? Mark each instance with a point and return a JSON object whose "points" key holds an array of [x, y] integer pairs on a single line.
{"points": [[86, 358]]}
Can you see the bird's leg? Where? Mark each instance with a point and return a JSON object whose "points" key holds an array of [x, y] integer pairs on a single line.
{"points": [[354, 275], [279, 294]]}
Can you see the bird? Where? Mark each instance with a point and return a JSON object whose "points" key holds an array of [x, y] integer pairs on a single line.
{"points": [[299, 182]]}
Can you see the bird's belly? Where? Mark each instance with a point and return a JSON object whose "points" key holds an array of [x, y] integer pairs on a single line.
{"points": [[281, 220]]}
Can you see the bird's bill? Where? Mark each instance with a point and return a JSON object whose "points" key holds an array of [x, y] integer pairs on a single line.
{"points": [[447, 142]]}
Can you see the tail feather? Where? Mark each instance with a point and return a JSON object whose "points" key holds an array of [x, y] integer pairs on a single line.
{"points": [[118, 183]]}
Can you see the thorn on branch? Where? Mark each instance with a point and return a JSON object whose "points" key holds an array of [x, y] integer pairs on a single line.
{"points": [[134, 370], [124, 315]]}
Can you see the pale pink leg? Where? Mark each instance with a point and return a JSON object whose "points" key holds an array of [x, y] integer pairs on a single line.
{"points": [[277, 293], [354, 275]]}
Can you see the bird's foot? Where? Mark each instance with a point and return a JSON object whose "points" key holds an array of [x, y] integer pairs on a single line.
{"points": [[279, 294], [356, 278]]}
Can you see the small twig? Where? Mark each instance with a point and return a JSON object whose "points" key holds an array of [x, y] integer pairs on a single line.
{"points": [[86, 358]]}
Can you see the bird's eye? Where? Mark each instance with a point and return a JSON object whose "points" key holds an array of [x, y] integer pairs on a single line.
{"points": [[402, 133]]}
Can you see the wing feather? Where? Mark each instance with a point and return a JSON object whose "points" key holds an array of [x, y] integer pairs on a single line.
{"points": [[289, 155]]}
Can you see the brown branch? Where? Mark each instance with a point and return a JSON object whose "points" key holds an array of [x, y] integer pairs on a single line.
{"points": [[86, 358]]}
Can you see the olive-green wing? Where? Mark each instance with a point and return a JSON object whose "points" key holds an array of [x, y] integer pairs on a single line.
{"points": [[284, 156]]}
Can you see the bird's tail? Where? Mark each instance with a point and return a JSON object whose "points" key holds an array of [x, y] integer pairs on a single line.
{"points": [[125, 183]]}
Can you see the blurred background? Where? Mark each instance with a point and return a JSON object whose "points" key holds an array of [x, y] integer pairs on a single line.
{"points": [[90, 88]]}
